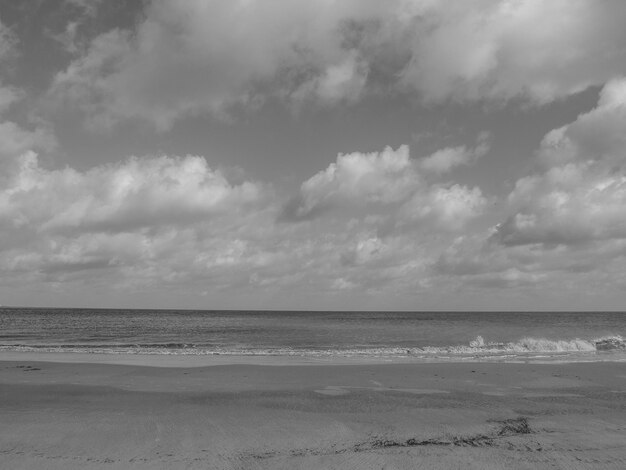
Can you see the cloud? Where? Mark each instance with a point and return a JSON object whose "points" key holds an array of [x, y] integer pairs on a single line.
{"points": [[194, 56], [448, 158], [388, 183], [14, 138], [85, 81], [170, 222], [566, 220], [8, 96], [581, 194], [499, 50], [344, 81], [77, 21], [88, 7], [358, 179], [448, 207], [482, 261], [137, 193], [67, 38], [174, 223], [8, 42], [190, 57], [141, 222]]}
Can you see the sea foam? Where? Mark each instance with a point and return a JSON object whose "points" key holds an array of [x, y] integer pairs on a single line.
{"points": [[477, 347], [544, 345]]}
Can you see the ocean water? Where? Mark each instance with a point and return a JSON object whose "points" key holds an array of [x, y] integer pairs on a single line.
{"points": [[415, 335]]}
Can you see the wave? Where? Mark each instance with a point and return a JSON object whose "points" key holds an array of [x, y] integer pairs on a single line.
{"points": [[539, 345], [476, 348]]}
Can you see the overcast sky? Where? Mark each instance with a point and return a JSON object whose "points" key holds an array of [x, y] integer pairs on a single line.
{"points": [[328, 154]]}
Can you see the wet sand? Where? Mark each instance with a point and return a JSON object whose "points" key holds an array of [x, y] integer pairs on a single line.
{"points": [[73, 415]]}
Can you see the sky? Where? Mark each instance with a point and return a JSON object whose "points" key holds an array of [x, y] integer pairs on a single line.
{"points": [[313, 154]]}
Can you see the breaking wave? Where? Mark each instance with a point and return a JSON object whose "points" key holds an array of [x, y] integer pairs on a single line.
{"points": [[478, 347], [538, 345]]}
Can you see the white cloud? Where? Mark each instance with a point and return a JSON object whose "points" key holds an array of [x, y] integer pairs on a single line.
{"points": [[567, 271], [189, 57], [344, 81], [581, 194], [159, 223], [357, 179], [139, 192], [85, 80], [142, 222], [445, 159], [567, 220], [502, 49], [448, 207], [388, 183], [367, 249], [448, 158], [196, 56]]}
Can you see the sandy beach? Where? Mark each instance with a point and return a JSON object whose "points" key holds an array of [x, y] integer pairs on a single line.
{"points": [[71, 415]]}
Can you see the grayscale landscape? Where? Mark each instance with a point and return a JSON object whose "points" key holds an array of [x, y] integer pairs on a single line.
{"points": [[312, 234]]}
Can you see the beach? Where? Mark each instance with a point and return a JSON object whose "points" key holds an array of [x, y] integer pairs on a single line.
{"points": [[131, 412]]}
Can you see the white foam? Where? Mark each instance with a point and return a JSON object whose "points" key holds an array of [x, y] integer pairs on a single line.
{"points": [[528, 347]]}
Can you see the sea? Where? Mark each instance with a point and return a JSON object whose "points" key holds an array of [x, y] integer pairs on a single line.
{"points": [[427, 336]]}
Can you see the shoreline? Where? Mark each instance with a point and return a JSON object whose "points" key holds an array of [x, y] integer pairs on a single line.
{"points": [[509, 377], [207, 360]]}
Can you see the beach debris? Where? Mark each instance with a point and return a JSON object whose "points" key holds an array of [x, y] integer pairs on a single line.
{"points": [[514, 426], [506, 428], [27, 368]]}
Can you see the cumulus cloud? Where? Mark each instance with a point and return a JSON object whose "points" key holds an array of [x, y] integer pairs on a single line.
{"points": [[356, 179], [482, 261], [189, 57], [173, 222], [387, 183], [196, 56], [567, 218], [502, 49], [449, 207], [344, 81], [165, 220], [369, 222], [133, 194], [581, 194], [448, 158]]}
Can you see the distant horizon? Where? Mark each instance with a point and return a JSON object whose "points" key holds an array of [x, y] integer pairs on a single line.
{"points": [[308, 311]]}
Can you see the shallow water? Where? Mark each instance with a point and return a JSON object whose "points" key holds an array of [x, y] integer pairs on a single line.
{"points": [[498, 335]]}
